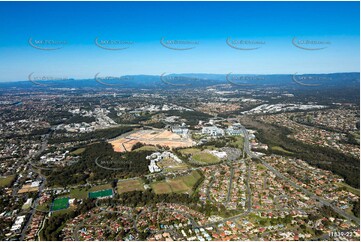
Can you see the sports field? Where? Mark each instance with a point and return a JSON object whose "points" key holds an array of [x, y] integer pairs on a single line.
{"points": [[60, 203], [101, 193]]}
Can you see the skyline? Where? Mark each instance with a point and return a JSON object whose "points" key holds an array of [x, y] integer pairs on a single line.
{"points": [[205, 26]]}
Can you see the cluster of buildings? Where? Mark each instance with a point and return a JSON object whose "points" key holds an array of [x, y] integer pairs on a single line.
{"points": [[18, 224], [30, 186], [276, 108], [212, 131], [222, 187], [77, 127], [323, 183], [219, 154], [341, 119], [180, 129], [54, 158], [157, 156], [164, 108], [22, 126], [101, 121], [213, 108], [233, 130], [254, 143], [36, 224], [314, 135]]}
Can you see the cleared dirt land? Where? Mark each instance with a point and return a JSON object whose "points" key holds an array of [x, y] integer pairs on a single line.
{"points": [[150, 137], [28, 188]]}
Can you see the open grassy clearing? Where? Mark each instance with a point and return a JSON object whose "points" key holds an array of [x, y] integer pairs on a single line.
{"points": [[6, 181], [280, 149], [77, 151], [179, 184], [189, 151], [238, 142], [201, 157], [82, 192], [168, 164], [130, 185], [64, 211], [205, 157], [161, 187], [45, 207]]}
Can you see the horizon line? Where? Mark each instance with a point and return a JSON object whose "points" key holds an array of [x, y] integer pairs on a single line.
{"points": [[190, 73]]}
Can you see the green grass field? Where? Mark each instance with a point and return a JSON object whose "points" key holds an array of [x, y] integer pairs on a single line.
{"points": [[280, 149], [189, 151], [45, 207], [161, 187], [82, 192], [238, 141], [101, 193], [60, 203], [78, 151], [179, 184], [205, 157], [168, 164], [130, 185], [200, 157], [6, 181]]}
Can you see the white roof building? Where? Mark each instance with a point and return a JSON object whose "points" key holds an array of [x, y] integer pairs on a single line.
{"points": [[213, 131]]}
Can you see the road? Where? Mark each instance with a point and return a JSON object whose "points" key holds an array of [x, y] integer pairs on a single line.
{"points": [[307, 192], [230, 186], [41, 187], [249, 192], [209, 187]]}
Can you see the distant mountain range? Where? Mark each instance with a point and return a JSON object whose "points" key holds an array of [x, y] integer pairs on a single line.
{"points": [[323, 81]]}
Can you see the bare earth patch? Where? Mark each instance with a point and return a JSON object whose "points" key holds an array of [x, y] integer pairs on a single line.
{"points": [[150, 137]]}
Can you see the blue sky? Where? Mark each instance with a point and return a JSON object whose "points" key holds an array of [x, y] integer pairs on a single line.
{"points": [[208, 23]]}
